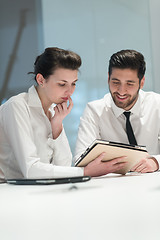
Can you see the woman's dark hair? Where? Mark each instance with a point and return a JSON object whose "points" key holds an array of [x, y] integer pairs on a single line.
{"points": [[128, 59], [53, 58]]}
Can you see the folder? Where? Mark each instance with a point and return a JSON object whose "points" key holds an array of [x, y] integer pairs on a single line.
{"points": [[113, 150]]}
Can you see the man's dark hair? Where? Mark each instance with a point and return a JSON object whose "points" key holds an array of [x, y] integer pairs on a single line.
{"points": [[128, 59]]}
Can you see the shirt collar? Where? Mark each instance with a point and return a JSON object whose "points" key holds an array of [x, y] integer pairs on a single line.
{"points": [[34, 100], [136, 109]]}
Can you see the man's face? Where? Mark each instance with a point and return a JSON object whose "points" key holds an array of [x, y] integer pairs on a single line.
{"points": [[124, 87]]}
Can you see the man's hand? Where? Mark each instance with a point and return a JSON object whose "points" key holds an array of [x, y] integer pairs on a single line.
{"points": [[61, 111], [98, 168], [146, 166]]}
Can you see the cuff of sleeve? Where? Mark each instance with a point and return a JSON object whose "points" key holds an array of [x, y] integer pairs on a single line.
{"points": [[157, 157], [68, 171], [51, 142]]}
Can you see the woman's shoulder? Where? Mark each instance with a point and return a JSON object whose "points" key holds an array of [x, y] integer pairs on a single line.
{"points": [[18, 100]]}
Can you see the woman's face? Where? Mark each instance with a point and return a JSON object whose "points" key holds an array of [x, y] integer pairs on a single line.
{"points": [[59, 86]]}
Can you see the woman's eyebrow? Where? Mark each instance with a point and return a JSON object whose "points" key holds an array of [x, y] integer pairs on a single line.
{"points": [[67, 81]]}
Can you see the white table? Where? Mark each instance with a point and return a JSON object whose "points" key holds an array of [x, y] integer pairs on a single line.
{"points": [[112, 207]]}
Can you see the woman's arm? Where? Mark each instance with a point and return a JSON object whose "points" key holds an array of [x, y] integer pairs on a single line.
{"points": [[17, 127]]}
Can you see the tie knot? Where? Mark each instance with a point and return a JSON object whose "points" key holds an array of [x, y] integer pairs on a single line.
{"points": [[127, 114]]}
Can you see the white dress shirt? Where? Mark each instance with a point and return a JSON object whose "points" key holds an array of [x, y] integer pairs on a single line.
{"points": [[102, 119], [27, 148]]}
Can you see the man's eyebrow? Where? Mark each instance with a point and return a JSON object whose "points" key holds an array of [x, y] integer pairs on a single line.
{"points": [[131, 81], [116, 79]]}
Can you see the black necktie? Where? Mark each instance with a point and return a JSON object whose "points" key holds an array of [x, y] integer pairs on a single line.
{"points": [[130, 134]]}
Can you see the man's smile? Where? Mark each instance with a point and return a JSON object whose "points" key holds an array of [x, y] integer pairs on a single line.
{"points": [[121, 97]]}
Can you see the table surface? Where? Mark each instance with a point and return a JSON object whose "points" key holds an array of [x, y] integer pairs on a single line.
{"points": [[109, 207]]}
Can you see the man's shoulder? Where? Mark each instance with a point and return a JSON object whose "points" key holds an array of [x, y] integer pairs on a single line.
{"points": [[149, 95], [102, 102], [100, 105]]}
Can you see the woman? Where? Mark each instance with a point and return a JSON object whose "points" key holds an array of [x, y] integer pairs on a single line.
{"points": [[33, 143]]}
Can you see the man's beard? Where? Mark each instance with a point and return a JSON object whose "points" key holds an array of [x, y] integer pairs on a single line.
{"points": [[128, 104]]}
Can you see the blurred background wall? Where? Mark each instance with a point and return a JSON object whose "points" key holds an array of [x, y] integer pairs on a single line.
{"points": [[95, 29]]}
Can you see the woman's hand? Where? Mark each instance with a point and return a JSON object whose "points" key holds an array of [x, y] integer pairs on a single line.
{"points": [[98, 168], [61, 111]]}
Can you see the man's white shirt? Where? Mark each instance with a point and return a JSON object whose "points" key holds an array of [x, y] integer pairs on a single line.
{"points": [[102, 119]]}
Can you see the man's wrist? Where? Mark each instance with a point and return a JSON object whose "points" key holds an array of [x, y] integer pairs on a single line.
{"points": [[156, 162]]}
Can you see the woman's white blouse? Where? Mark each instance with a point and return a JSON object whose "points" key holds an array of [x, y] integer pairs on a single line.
{"points": [[27, 148]]}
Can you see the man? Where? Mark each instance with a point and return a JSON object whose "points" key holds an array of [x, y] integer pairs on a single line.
{"points": [[105, 118]]}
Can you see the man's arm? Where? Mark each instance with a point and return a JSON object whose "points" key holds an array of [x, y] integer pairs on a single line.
{"points": [[146, 165], [88, 131]]}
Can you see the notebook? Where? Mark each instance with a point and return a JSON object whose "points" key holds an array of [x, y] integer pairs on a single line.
{"points": [[113, 150]]}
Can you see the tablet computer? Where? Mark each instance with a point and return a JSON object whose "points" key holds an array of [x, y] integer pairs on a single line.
{"points": [[48, 181], [113, 150]]}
